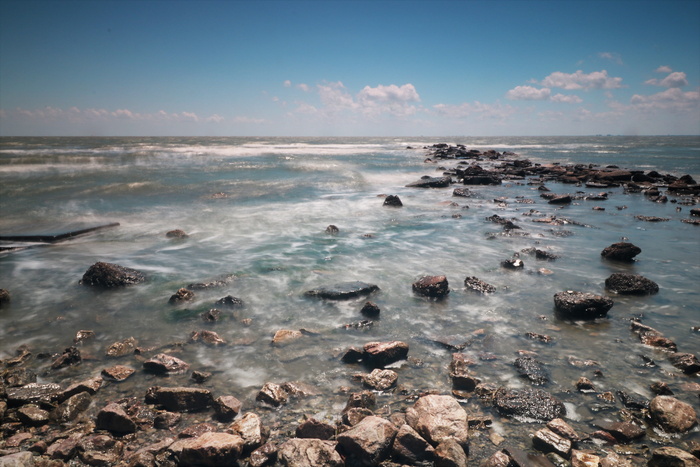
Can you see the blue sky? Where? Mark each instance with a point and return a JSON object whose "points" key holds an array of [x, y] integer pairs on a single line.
{"points": [[349, 68]]}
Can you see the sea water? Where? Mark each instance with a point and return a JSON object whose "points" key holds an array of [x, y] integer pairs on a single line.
{"points": [[256, 210]]}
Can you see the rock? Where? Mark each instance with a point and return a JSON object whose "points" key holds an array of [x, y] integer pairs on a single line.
{"points": [[530, 403], [211, 316], [352, 355], [264, 455], [91, 386], [546, 440], [70, 408], [498, 459], [272, 394], [531, 369], [633, 401], [230, 301], [652, 218], [33, 393], [122, 348], [31, 415], [182, 295], [630, 284], [477, 285], [380, 380], [450, 453], [226, 408], [486, 179], [182, 399], [584, 459], [166, 420], [17, 376], [371, 310], [563, 429], [621, 251], [393, 201], [108, 276], [285, 335], [431, 182], [459, 372], [70, 356], [462, 192], [100, 450], [671, 414], [117, 373], [343, 291], [301, 452], [114, 419], [206, 337], [363, 399], [624, 432], [313, 428], [432, 286], [176, 233], [17, 459], [585, 385], [369, 442], [668, 456], [410, 448], [581, 305], [439, 418], [165, 364], [209, 449], [4, 297], [661, 389], [251, 429], [514, 263], [688, 363], [381, 354]]}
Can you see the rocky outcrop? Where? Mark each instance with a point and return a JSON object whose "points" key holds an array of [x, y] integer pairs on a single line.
{"points": [[109, 276], [631, 284], [581, 305]]}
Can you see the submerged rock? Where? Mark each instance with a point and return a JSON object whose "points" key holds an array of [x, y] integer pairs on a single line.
{"points": [[370, 309], [621, 251], [108, 276], [477, 285], [4, 297], [393, 201], [343, 291], [531, 403], [431, 182], [432, 286], [631, 284], [182, 295], [581, 305], [532, 369]]}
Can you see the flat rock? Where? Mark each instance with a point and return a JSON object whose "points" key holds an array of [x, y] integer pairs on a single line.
{"points": [[117, 373], [122, 347], [71, 407], [439, 418], [529, 403], [546, 440], [624, 432], [631, 284], [209, 449], [431, 182], [432, 286], [562, 199], [581, 305], [33, 393], [343, 291], [182, 399], [671, 414], [307, 452], [165, 364], [381, 354], [108, 276], [531, 369], [114, 419], [671, 456], [32, 416], [621, 251], [369, 442]]}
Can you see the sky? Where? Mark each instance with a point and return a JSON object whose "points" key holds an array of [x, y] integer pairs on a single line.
{"points": [[349, 67]]}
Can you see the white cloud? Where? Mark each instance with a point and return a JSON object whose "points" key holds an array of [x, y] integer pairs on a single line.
{"points": [[478, 109], [242, 119], [612, 56], [581, 80], [568, 99], [528, 93], [664, 69], [392, 99], [676, 79], [391, 93], [304, 87], [215, 118], [670, 99], [287, 84]]}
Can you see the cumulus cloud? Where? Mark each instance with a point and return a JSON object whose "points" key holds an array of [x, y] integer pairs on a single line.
{"points": [[304, 87], [242, 119], [528, 93], [670, 99], [567, 99], [676, 79], [287, 84], [581, 80], [664, 69], [612, 56], [370, 101]]}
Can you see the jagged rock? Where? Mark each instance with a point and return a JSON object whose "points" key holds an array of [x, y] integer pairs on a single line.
{"points": [[206, 337], [251, 429], [114, 419], [264, 455], [581, 305], [363, 399], [182, 295], [380, 354], [667, 456], [438, 418], [117, 373], [393, 201], [633, 401], [370, 309], [631, 284], [585, 385], [181, 399], [230, 301], [313, 428], [70, 356], [410, 448], [31, 415], [432, 286], [209, 449], [531, 403], [450, 453], [71, 407], [272, 394], [563, 429], [122, 348], [477, 285], [380, 380], [343, 291], [165, 364], [671, 414], [688, 363], [211, 316], [307, 452], [459, 372], [531, 369], [462, 192], [33, 393], [226, 408], [91, 386], [18, 376], [369, 442], [515, 263], [546, 440], [661, 389], [108, 276], [431, 182], [621, 251], [100, 450]]}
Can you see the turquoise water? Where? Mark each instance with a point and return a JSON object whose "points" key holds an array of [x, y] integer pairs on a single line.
{"points": [[257, 208]]}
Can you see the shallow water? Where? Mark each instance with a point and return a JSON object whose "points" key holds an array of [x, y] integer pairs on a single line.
{"points": [[257, 209]]}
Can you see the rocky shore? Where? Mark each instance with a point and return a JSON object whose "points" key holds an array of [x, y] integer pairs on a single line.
{"points": [[48, 417]]}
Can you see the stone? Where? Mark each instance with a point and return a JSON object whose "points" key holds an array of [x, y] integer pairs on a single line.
{"points": [[176, 233], [299, 389], [561, 199], [182, 295], [272, 394], [117, 373], [33, 393], [65, 448], [100, 450], [264, 455], [477, 285], [91, 386], [355, 415], [393, 201], [114, 419], [498, 459], [631, 284], [209, 449], [410, 448], [31, 416], [672, 415], [563, 429], [4, 297], [70, 408], [584, 459], [343, 291], [450, 453], [661, 389], [534, 404], [624, 432], [431, 182], [585, 385], [286, 335], [438, 418], [332, 230], [371, 310], [308, 452], [251, 429], [581, 305], [226, 408], [621, 251], [531, 369], [211, 316], [686, 362], [165, 364], [669, 456], [207, 337], [181, 399], [369, 442], [381, 354], [108, 276], [70, 356], [166, 420], [230, 301], [514, 264], [17, 459], [380, 380], [363, 399], [459, 373], [122, 348], [313, 428], [432, 286], [546, 440]]}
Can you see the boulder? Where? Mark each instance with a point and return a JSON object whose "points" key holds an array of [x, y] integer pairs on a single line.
{"points": [[209, 449], [581, 305], [393, 201], [432, 286], [621, 251], [562, 199], [667, 456], [450, 453], [114, 419], [307, 452], [530, 403], [108, 276], [181, 399], [439, 418], [343, 291], [431, 182], [371, 310], [380, 380], [381, 354], [410, 448], [630, 284], [671, 414], [369, 442], [251, 429], [477, 285], [313, 428], [165, 364], [226, 408]]}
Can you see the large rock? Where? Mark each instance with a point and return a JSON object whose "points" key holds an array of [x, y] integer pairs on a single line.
{"points": [[114, 419], [307, 452], [393, 201], [581, 305], [312, 428], [621, 251], [531, 369], [369, 442], [669, 456], [529, 403], [71, 407], [251, 429], [33, 393], [181, 399], [431, 182], [380, 354], [438, 418], [226, 408], [165, 364], [432, 286], [630, 284], [672, 415], [450, 453], [343, 291], [209, 449], [108, 276], [688, 363], [410, 447], [272, 394]]}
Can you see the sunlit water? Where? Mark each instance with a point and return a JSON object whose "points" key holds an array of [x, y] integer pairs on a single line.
{"points": [[257, 208]]}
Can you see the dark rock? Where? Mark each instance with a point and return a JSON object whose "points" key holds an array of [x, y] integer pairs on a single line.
{"points": [[652, 218], [18, 376], [669, 456], [432, 286], [31, 415], [70, 408], [585, 385], [431, 182], [332, 230], [117, 373], [114, 419], [393, 201], [546, 440], [485, 179], [380, 380], [313, 428], [633, 401], [230, 302], [209, 449], [182, 295], [581, 305], [91, 386], [631, 284], [370, 310], [226, 408], [182, 399], [380, 354], [530, 403], [459, 373], [363, 399], [410, 448], [450, 453], [369, 442], [660, 389], [462, 193], [624, 432], [122, 348], [688, 363], [272, 394], [352, 355], [671, 414], [70, 356], [438, 418], [263, 456], [562, 199], [532, 369], [477, 285], [166, 420], [177, 233], [300, 452], [4, 297], [514, 263], [33, 393], [108, 275], [100, 450], [621, 251], [343, 291], [211, 316], [200, 377], [251, 429], [165, 364], [563, 429]]}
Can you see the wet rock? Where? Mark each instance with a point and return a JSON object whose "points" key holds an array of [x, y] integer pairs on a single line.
{"points": [[671, 456], [363, 399], [584, 459], [671, 414], [166, 420], [498, 459], [633, 401], [181, 399], [581, 305], [176, 233], [380, 380], [431, 182], [31, 415], [272, 394], [108, 276], [432, 286], [4, 297], [462, 193], [209, 449], [381, 354], [17, 459], [33, 393], [211, 316], [352, 355], [70, 356], [660, 389], [371, 310], [165, 364], [621, 251], [369, 442], [114, 419], [393, 201], [91, 386], [630, 284], [264, 455], [514, 263], [450, 453], [285, 335], [306, 452], [18, 376], [313, 428], [332, 230], [658, 341], [193, 431], [343, 291], [652, 218], [531, 369], [688, 363], [251, 429], [562, 199], [563, 429], [477, 285], [439, 418], [117, 373], [585, 385], [410, 448], [530, 403], [70, 408], [200, 377], [182, 295], [226, 408], [623, 432], [546, 440], [206, 337], [122, 348], [484, 179], [230, 301], [459, 373]]}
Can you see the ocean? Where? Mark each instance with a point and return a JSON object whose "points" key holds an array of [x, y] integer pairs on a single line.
{"points": [[256, 212]]}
